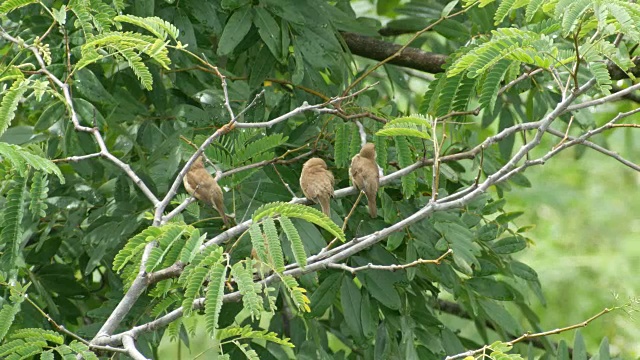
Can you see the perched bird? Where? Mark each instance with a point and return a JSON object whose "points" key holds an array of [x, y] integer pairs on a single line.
{"points": [[317, 183], [206, 188], [364, 175]]}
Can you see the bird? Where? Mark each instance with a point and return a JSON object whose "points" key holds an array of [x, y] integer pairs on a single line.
{"points": [[317, 183], [365, 176], [199, 183]]}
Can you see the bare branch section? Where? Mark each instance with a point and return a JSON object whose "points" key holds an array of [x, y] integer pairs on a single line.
{"points": [[372, 48], [130, 345], [97, 136], [370, 266], [527, 336]]}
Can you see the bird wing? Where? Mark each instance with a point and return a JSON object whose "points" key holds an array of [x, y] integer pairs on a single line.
{"points": [[355, 171], [321, 184], [203, 188]]}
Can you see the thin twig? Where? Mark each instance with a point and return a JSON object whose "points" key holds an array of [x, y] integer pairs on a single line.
{"points": [[535, 335], [344, 224], [77, 158], [371, 266], [286, 185]]}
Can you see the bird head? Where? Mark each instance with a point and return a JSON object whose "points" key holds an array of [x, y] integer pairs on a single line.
{"points": [[197, 163], [368, 151], [313, 162]]}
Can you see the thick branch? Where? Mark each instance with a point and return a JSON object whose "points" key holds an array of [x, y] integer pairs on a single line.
{"points": [[413, 58], [372, 48]]}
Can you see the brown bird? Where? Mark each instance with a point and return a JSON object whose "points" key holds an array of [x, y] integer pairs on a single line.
{"points": [[317, 183], [206, 188], [365, 176]]}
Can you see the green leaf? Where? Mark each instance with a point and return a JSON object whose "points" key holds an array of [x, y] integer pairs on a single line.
{"points": [[7, 316], [341, 146], [297, 247], [381, 287], [563, 351], [262, 68], [297, 293], [47, 335], [192, 246], [351, 300], [579, 347], [11, 225], [415, 126], [532, 8], [324, 296], [603, 351], [573, 14], [402, 132], [509, 245], [497, 313], [301, 212], [235, 30], [171, 233], [9, 103], [192, 288], [154, 25], [247, 288], [405, 158], [491, 85], [269, 30], [447, 9], [213, 301], [90, 87], [523, 271], [492, 288], [273, 242], [460, 239], [38, 195], [134, 246], [10, 5], [258, 242]]}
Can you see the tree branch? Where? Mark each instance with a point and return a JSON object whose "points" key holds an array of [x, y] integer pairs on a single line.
{"points": [[372, 48]]}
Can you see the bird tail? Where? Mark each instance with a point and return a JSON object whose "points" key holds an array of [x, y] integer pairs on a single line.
{"points": [[373, 210], [220, 207], [326, 207]]}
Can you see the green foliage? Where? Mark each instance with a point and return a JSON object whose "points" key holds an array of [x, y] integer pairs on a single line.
{"points": [[9, 103], [19, 158], [297, 247], [134, 247], [7, 316], [10, 5], [507, 43], [213, 301], [197, 273], [276, 258], [415, 125], [405, 158], [38, 195], [340, 147], [247, 333], [155, 25], [128, 46], [243, 274], [301, 212], [11, 225]]}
